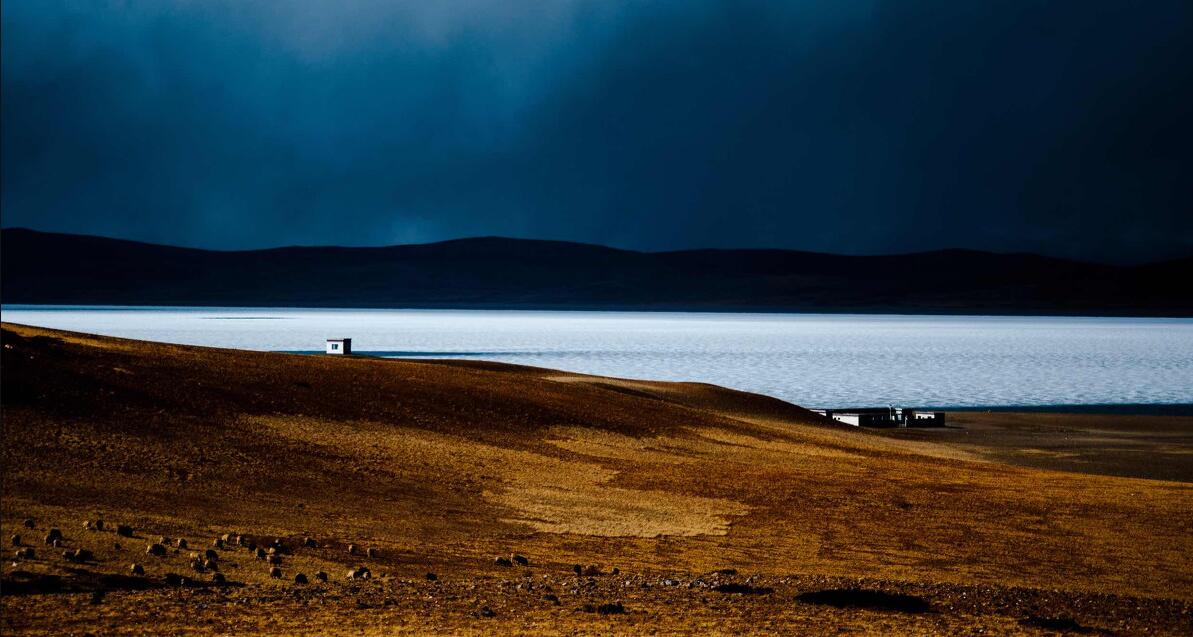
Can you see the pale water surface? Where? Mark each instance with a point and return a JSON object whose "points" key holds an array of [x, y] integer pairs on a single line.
{"points": [[809, 359]]}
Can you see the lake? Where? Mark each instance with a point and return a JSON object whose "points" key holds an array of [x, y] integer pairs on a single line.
{"points": [[809, 359]]}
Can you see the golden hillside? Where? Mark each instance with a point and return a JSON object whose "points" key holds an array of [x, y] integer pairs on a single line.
{"points": [[444, 466]]}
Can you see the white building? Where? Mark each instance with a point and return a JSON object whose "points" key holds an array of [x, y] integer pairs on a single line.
{"points": [[339, 346], [884, 417]]}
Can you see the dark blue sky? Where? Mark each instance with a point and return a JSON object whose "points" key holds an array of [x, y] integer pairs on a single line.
{"points": [[839, 126]]}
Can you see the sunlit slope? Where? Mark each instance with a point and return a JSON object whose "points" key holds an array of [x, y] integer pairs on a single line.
{"points": [[443, 465]]}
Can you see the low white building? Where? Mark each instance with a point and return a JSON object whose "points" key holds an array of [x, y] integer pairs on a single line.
{"points": [[884, 417], [339, 346]]}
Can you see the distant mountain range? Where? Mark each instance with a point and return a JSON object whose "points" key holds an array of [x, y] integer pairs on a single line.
{"points": [[490, 272]]}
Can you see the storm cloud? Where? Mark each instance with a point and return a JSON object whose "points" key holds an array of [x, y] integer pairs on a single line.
{"points": [[837, 126]]}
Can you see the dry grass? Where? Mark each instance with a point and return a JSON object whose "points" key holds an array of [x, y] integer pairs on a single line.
{"points": [[445, 465]]}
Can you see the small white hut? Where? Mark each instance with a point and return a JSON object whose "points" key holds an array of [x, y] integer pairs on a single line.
{"points": [[339, 346]]}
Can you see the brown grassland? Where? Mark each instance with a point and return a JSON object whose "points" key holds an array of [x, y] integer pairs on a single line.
{"points": [[722, 512]]}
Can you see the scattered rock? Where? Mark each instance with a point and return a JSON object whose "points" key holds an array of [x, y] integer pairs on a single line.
{"points": [[321, 576], [174, 579], [551, 597], [742, 589], [28, 522], [275, 573], [116, 546], [502, 561], [670, 582], [97, 597], [136, 569], [431, 577], [156, 549], [300, 579], [54, 535], [487, 612], [592, 570], [124, 530], [1060, 624], [520, 560]]}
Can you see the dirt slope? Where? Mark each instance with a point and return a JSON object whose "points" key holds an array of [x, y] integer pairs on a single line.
{"points": [[443, 466]]}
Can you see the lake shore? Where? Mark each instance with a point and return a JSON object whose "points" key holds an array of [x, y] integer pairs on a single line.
{"points": [[721, 511]]}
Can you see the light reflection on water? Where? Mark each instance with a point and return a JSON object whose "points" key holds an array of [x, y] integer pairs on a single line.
{"points": [[809, 359]]}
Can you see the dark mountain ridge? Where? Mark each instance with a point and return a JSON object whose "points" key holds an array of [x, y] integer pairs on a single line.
{"points": [[494, 272]]}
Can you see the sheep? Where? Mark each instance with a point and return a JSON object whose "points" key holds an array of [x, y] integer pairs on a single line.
{"points": [[321, 576], [275, 559], [79, 555], [520, 560], [53, 535], [15, 539], [217, 578], [136, 569], [352, 549], [29, 523], [155, 549], [300, 579], [124, 530], [275, 573], [182, 543], [372, 552]]}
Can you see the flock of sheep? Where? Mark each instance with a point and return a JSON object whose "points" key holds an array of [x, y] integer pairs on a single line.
{"points": [[206, 562]]}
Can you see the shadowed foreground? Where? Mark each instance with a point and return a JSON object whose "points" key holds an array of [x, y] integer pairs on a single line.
{"points": [[720, 511]]}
